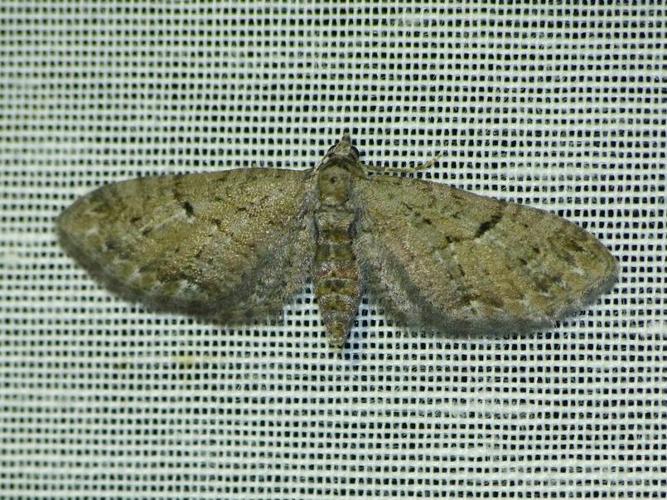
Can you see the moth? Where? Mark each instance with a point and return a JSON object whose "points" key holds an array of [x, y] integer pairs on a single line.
{"points": [[233, 246]]}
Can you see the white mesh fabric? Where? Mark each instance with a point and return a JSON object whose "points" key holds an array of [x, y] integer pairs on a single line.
{"points": [[559, 107]]}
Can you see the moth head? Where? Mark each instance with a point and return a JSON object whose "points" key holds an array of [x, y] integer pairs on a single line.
{"points": [[344, 148]]}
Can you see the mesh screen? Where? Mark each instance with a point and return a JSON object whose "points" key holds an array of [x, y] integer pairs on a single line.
{"points": [[562, 108]]}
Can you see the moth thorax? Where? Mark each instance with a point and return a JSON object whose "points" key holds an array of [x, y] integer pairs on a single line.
{"points": [[334, 182]]}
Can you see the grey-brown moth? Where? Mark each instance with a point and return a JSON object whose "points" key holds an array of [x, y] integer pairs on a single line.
{"points": [[233, 246]]}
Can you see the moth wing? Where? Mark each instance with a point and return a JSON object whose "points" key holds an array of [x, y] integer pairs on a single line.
{"points": [[446, 259], [230, 245]]}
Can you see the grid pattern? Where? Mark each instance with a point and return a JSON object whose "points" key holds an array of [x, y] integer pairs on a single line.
{"points": [[560, 107]]}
